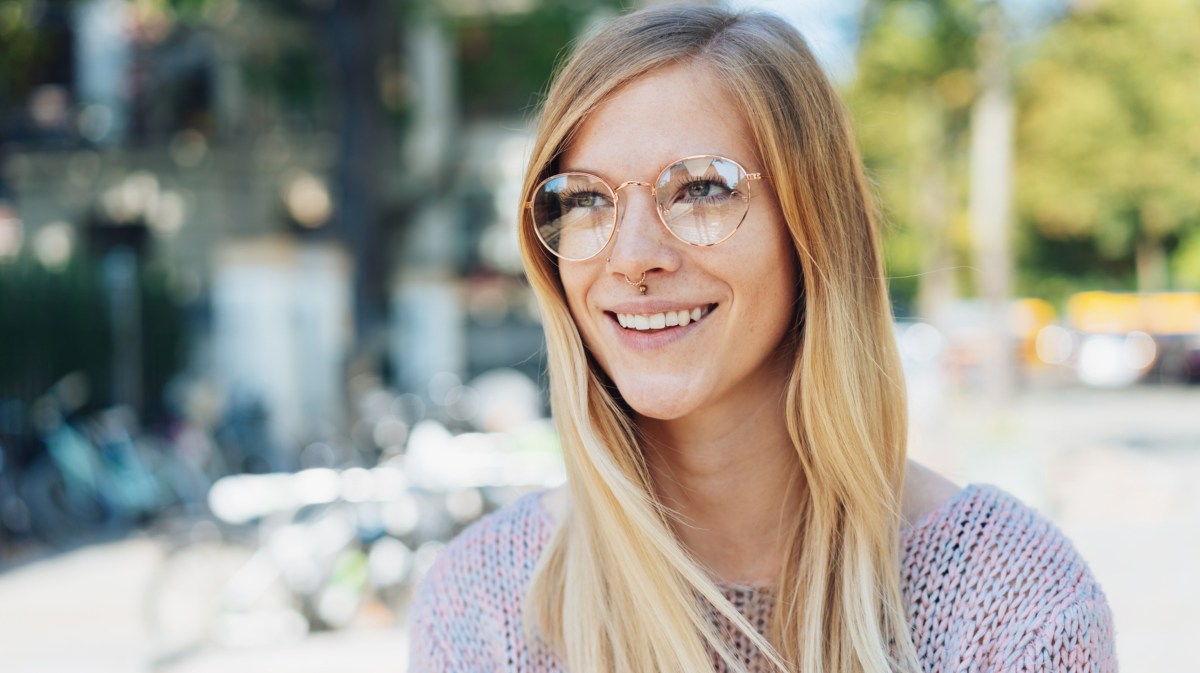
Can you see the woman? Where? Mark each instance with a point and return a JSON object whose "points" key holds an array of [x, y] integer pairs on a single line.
{"points": [[731, 408]]}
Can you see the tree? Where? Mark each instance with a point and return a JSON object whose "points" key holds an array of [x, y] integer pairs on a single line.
{"points": [[1108, 142], [946, 64], [912, 106]]}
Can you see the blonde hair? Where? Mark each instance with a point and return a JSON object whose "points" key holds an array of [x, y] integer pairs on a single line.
{"points": [[615, 589]]}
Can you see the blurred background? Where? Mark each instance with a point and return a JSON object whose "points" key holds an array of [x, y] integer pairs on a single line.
{"points": [[265, 344]]}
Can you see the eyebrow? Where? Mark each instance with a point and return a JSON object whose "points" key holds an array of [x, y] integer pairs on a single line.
{"points": [[592, 171], [657, 171]]}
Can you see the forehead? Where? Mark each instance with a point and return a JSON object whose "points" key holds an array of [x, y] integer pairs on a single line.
{"points": [[667, 114]]}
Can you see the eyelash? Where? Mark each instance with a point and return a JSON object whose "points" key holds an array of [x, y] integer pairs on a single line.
{"points": [[703, 182], [566, 194]]}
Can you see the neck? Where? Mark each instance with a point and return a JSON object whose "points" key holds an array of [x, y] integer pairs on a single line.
{"points": [[732, 477]]}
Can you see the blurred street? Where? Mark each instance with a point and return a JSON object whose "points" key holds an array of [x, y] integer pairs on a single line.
{"points": [[267, 341], [1076, 455]]}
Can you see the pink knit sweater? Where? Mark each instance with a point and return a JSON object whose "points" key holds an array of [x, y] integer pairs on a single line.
{"points": [[990, 586]]}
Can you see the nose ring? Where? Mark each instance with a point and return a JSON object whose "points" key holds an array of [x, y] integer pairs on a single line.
{"points": [[639, 283]]}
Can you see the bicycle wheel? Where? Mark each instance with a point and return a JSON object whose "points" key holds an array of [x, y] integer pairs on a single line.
{"points": [[219, 594], [58, 514]]}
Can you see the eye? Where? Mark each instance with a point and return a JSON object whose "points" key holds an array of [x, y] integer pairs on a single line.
{"points": [[704, 189], [582, 199]]}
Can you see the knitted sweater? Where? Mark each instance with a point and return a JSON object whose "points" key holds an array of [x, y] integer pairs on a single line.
{"points": [[989, 586]]}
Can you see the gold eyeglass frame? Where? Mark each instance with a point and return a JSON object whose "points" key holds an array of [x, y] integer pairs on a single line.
{"points": [[658, 207]]}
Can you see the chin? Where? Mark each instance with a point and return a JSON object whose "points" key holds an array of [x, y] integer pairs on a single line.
{"points": [[656, 411], [660, 403]]}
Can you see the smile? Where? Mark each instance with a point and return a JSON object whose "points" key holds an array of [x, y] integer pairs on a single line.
{"points": [[657, 321]]}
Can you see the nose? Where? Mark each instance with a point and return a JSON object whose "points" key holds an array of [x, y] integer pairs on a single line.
{"points": [[640, 243]]}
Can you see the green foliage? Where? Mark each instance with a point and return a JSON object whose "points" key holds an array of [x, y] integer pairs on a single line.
{"points": [[286, 73], [165, 342], [20, 46], [911, 104], [191, 7], [1109, 146], [1186, 263], [506, 59], [55, 321], [910, 44], [1053, 269], [1108, 156]]}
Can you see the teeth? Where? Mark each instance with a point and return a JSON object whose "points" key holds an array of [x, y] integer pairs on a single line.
{"points": [[657, 321]]}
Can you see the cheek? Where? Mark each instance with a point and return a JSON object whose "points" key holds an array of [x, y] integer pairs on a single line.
{"points": [[575, 284], [773, 273]]}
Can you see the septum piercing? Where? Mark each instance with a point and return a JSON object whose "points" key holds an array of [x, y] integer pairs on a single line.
{"points": [[639, 283]]}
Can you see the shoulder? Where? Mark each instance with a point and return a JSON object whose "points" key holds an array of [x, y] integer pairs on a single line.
{"points": [[473, 594], [555, 502], [493, 554], [986, 575], [925, 492]]}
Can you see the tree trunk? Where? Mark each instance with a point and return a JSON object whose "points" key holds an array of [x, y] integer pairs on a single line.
{"points": [[352, 30], [934, 205], [1151, 265], [991, 195]]}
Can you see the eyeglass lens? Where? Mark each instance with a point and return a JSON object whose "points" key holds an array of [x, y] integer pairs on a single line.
{"points": [[702, 201]]}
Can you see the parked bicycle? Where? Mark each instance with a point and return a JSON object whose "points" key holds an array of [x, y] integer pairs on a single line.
{"points": [[78, 475], [289, 554]]}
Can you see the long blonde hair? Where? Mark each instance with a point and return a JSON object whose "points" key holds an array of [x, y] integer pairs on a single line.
{"points": [[616, 590]]}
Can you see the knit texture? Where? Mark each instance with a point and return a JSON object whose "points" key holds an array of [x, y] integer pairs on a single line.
{"points": [[989, 586]]}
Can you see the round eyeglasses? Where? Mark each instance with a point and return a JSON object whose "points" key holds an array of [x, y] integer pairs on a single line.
{"points": [[702, 200]]}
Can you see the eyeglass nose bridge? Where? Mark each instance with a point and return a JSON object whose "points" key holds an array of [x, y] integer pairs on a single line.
{"points": [[619, 216], [633, 183]]}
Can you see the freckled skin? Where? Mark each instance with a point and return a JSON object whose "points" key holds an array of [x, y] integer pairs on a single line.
{"points": [[723, 369]]}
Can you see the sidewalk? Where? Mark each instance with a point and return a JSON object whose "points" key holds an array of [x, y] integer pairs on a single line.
{"points": [[82, 613]]}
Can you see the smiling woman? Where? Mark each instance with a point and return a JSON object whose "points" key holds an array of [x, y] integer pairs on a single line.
{"points": [[731, 407]]}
